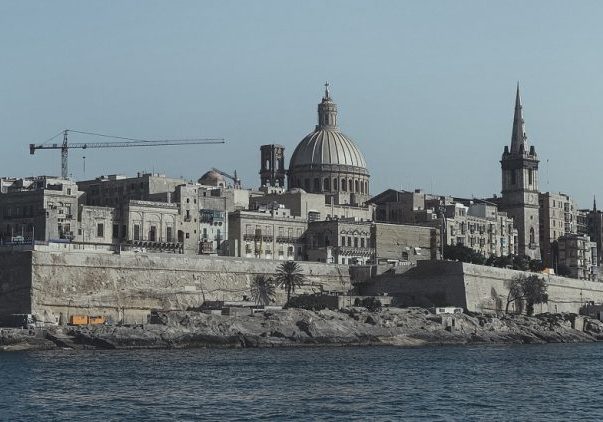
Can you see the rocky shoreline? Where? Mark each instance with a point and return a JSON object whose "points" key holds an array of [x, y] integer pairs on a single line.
{"points": [[297, 328]]}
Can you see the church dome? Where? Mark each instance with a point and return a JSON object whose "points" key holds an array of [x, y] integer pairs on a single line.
{"points": [[327, 147], [212, 178], [327, 161]]}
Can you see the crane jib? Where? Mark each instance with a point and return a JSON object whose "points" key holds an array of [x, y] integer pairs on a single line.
{"points": [[65, 146]]}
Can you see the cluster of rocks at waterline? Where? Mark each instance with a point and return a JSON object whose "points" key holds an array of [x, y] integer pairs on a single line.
{"points": [[297, 327], [349, 327], [19, 339]]}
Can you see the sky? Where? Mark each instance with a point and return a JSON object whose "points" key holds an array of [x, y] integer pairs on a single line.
{"points": [[426, 89]]}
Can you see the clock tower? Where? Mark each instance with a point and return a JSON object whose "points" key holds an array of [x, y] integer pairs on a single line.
{"points": [[520, 186]]}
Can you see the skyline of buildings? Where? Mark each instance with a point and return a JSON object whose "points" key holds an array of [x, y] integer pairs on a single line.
{"points": [[327, 181]]}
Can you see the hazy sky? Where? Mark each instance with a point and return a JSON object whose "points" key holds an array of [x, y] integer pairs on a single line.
{"points": [[425, 88]]}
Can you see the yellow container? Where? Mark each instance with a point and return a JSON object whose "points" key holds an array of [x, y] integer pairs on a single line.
{"points": [[78, 320], [96, 320]]}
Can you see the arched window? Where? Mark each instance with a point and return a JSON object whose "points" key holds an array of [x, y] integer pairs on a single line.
{"points": [[532, 235], [351, 185], [344, 185], [327, 185], [356, 184], [335, 185], [366, 188]]}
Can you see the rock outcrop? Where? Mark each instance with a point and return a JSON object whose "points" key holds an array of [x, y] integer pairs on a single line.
{"points": [[355, 326], [350, 327]]}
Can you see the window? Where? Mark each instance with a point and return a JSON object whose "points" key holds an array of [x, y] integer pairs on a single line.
{"points": [[327, 184], [188, 235], [342, 240], [115, 230], [362, 242], [153, 234], [335, 184], [531, 176], [136, 232], [349, 240], [344, 186], [100, 230], [355, 242], [169, 234]]}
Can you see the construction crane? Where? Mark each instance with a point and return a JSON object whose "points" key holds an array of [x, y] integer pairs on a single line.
{"points": [[236, 181], [125, 143]]}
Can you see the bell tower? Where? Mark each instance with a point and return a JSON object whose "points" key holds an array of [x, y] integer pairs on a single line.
{"points": [[272, 169], [520, 186]]}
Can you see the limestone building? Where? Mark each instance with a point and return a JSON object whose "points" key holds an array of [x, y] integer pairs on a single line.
{"points": [[39, 208], [267, 233], [327, 161], [340, 241], [403, 243], [558, 217], [519, 165], [590, 223], [477, 224], [579, 254], [313, 206]]}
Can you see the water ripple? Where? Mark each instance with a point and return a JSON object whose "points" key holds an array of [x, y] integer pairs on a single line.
{"points": [[530, 382]]}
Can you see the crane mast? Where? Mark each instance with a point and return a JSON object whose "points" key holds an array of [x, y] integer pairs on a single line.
{"points": [[65, 146]]}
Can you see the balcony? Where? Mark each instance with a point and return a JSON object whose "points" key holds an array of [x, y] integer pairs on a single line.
{"points": [[350, 250], [288, 239], [257, 238]]}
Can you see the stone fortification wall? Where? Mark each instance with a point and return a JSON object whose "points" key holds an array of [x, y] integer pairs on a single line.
{"points": [[125, 287], [15, 282], [423, 285], [477, 288], [486, 289]]}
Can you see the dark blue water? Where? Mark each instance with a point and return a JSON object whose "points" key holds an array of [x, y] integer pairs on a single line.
{"points": [[549, 382]]}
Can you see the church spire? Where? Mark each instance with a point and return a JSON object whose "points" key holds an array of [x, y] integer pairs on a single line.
{"points": [[327, 112], [519, 140]]}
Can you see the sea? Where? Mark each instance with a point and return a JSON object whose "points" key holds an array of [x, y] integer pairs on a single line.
{"points": [[552, 382]]}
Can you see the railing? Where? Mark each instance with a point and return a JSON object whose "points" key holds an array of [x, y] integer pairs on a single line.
{"points": [[288, 239], [350, 250], [265, 238]]}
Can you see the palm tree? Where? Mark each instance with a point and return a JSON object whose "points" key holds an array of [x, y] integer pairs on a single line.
{"points": [[262, 289], [288, 276]]}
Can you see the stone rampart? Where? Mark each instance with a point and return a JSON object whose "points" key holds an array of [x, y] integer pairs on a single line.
{"points": [[477, 288], [125, 287]]}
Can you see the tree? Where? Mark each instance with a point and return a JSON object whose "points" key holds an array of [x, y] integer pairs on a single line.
{"points": [[521, 262], [288, 276], [536, 265], [529, 289], [563, 270], [262, 289], [463, 253]]}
